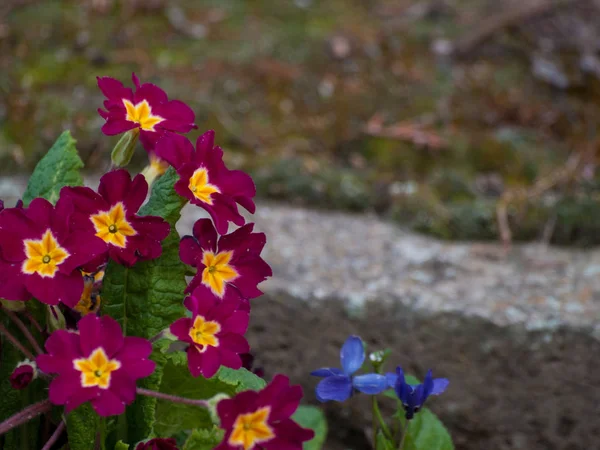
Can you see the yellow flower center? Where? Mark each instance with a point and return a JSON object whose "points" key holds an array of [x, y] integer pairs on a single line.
{"points": [[251, 429], [96, 370], [43, 255], [204, 332], [200, 186], [141, 113], [112, 227], [218, 271]]}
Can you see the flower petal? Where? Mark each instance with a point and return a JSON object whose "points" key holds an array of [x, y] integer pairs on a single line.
{"points": [[337, 388], [439, 386], [371, 383], [326, 372], [352, 355]]}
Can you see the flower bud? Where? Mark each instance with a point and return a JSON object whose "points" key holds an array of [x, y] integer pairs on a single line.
{"points": [[158, 444], [24, 373], [55, 318], [123, 151], [155, 169]]}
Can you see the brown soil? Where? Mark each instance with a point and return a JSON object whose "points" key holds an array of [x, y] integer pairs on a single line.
{"points": [[509, 389]]}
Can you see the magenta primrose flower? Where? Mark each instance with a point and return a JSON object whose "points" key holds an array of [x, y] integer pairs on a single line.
{"points": [[215, 333], [146, 108], [98, 365], [111, 215], [262, 420], [41, 255], [205, 181], [224, 263]]}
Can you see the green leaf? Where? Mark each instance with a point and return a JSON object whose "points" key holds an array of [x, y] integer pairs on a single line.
{"points": [[426, 431], [383, 443], [147, 298], [204, 439], [58, 168], [172, 417], [82, 426], [121, 446], [313, 418]]}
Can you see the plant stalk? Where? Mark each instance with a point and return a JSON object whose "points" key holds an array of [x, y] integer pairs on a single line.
{"points": [[173, 398], [404, 433], [25, 331], [13, 340], [25, 415], [59, 430]]}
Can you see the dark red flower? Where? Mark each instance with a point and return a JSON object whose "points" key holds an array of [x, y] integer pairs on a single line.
{"points": [[98, 365], [262, 420], [146, 108], [224, 263], [111, 214], [158, 444], [205, 181], [23, 374], [41, 255], [215, 333]]}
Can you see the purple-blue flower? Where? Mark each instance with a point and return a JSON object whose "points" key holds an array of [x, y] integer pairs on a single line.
{"points": [[338, 384], [413, 396]]}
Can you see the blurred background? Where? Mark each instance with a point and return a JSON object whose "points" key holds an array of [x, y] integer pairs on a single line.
{"points": [[463, 120]]}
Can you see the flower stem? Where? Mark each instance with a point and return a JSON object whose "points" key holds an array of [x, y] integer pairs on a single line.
{"points": [[375, 422], [25, 415], [404, 433], [34, 322], [25, 331], [173, 398], [59, 430], [382, 424], [13, 340]]}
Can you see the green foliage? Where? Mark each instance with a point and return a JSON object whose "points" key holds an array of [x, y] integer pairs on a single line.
{"points": [[82, 426], [426, 431], [204, 439], [147, 298], [58, 168], [383, 443], [313, 418], [172, 418], [121, 446]]}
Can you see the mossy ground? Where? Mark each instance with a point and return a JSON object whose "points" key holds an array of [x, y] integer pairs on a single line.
{"points": [[303, 96]]}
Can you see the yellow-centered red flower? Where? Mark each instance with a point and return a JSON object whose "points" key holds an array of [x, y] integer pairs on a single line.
{"points": [[141, 113], [203, 332], [218, 271], [201, 188]]}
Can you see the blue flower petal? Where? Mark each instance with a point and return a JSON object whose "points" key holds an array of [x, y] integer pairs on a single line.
{"points": [[371, 383], [427, 385], [326, 372], [439, 386], [352, 355], [391, 379], [337, 388]]}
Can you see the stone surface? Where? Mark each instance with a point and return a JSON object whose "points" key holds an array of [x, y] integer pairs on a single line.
{"points": [[321, 255]]}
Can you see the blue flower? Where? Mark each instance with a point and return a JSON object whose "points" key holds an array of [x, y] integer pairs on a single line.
{"points": [[339, 384], [413, 396]]}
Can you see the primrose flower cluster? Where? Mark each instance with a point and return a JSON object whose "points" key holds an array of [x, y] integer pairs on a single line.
{"points": [[57, 254]]}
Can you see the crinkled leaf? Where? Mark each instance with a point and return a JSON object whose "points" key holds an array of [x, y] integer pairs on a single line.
{"points": [[204, 439], [82, 426], [147, 298], [313, 418], [241, 379], [58, 168], [172, 418]]}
